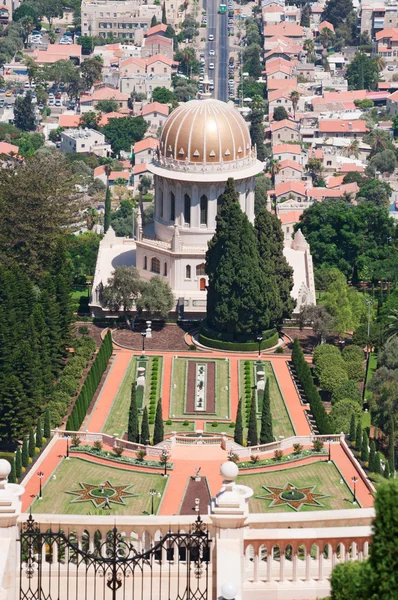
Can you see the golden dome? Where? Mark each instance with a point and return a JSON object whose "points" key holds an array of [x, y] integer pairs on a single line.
{"points": [[206, 131]]}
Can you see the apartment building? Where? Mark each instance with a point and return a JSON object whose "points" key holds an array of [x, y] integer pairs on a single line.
{"points": [[375, 16], [119, 19], [84, 140]]}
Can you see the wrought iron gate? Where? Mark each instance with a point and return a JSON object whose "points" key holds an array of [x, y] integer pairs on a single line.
{"points": [[54, 567]]}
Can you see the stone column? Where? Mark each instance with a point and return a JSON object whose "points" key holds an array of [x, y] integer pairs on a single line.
{"points": [[255, 565], [281, 565], [307, 565], [295, 559], [320, 567], [270, 556]]}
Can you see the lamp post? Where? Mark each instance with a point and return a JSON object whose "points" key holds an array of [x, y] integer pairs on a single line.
{"points": [[369, 303], [354, 480], [67, 447], [153, 494], [143, 335], [330, 453], [164, 457], [259, 339], [40, 476]]}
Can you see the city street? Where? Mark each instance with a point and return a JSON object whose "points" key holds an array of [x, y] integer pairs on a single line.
{"points": [[217, 26]]}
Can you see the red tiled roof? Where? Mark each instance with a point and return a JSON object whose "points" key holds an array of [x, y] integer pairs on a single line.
{"points": [[291, 164], [161, 28], [69, 120], [119, 175], [394, 96], [112, 115], [283, 28], [291, 216], [98, 171], [325, 25], [337, 126], [161, 58], [351, 167], [146, 144], [334, 182], [391, 32], [286, 148], [276, 125], [298, 187], [6, 148], [138, 169], [163, 109]]}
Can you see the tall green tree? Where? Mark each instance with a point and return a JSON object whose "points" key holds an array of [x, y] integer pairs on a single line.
{"points": [[238, 433], [133, 433], [391, 447], [24, 113], [39, 434], [124, 132], [257, 133], [164, 16], [108, 209], [145, 427], [18, 462], [12, 478], [236, 283], [362, 72], [32, 443], [252, 434], [372, 457], [266, 433], [158, 431], [365, 447], [387, 471], [25, 452], [47, 424], [358, 437], [353, 429]]}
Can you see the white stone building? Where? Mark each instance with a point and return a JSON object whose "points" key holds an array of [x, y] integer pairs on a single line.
{"points": [[84, 140], [203, 143]]}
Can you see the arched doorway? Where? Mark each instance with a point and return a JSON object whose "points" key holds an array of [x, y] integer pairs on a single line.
{"points": [[202, 284]]}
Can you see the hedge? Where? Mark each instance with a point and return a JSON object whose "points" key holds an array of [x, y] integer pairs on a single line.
{"points": [[305, 377], [89, 388], [238, 346]]}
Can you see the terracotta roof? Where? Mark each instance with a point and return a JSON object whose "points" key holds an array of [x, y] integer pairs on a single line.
{"points": [[333, 182], [98, 171], [161, 28], [394, 96], [291, 216], [316, 153], [6, 148], [148, 109], [138, 169], [319, 193], [391, 32], [105, 93], [290, 164], [282, 84], [132, 61], [351, 167], [146, 144], [325, 25], [286, 148], [157, 39], [298, 187], [276, 125], [279, 69], [112, 115], [337, 126], [161, 58], [119, 175], [277, 94], [69, 120], [283, 28]]}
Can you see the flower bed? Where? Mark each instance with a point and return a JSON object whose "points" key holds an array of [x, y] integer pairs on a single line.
{"points": [[127, 460], [284, 459]]}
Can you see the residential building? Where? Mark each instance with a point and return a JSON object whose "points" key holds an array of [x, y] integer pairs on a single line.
{"points": [[376, 16], [290, 170], [387, 44], [143, 150], [155, 114], [157, 44], [290, 152], [348, 129], [107, 18], [89, 101], [84, 140], [392, 103], [284, 131], [56, 52]]}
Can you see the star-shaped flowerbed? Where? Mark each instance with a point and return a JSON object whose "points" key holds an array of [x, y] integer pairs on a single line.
{"points": [[292, 496], [103, 493]]}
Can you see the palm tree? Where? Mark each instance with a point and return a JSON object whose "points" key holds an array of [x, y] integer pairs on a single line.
{"points": [[309, 46], [378, 140], [273, 169], [326, 37], [391, 328], [352, 149], [294, 99], [381, 63]]}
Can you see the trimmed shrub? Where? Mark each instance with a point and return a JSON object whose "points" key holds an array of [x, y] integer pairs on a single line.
{"points": [[347, 390], [238, 346]]}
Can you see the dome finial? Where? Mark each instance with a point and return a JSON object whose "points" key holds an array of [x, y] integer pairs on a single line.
{"points": [[206, 92]]}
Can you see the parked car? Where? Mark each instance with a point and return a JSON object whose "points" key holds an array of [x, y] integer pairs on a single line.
{"points": [[211, 66], [211, 38], [212, 52]]}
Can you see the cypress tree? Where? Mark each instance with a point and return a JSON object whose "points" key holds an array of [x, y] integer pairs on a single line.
{"points": [[372, 457], [108, 209], [266, 433], [391, 452], [386, 470], [353, 429], [236, 283], [39, 435], [18, 463], [12, 476], [358, 437], [133, 432], [377, 464], [252, 435], [164, 17], [158, 432], [47, 424], [145, 427], [32, 443], [238, 433], [25, 452], [365, 447]]}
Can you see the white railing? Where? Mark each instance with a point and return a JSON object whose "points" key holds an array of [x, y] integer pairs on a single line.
{"points": [[284, 444]]}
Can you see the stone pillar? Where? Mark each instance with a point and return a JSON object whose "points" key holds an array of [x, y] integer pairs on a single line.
{"points": [[295, 559], [320, 567], [255, 565], [281, 566], [270, 556], [307, 565], [354, 551], [334, 558], [55, 552]]}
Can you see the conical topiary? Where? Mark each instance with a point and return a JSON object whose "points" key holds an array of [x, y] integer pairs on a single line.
{"points": [[266, 433], [386, 470], [145, 427], [25, 452], [372, 457], [353, 429], [32, 443], [252, 435], [18, 463], [12, 476], [358, 437], [158, 431], [365, 447], [47, 424], [238, 434], [39, 434]]}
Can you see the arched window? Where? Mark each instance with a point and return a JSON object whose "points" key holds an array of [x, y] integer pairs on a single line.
{"points": [[187, 209], [145, 263], [202, 284], [155, 265], [219, 203], [200, 270], [165, 270], [161, 204], [172, 207], [188, 272], [203, 210]]}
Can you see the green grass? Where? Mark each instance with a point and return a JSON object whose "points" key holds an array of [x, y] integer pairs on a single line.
{"points": [[177, 403], [178, 426], [281, 423], [75, 471], [365, 421], [372, 366], [324, 476]]}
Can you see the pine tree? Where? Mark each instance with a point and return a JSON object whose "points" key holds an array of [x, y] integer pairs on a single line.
{"points": [[386, 470], [108, 209], [25, 452], [164, 17], [365, 447], [372, 457], [353, 429], [266, 433], [32, 443], [158, 432], [47, 424], [39, 435], [133, 432], [12, 402], [12, 476], [358, 437], [145, 427], [391, 452], [238, 433], [154, 21], [252, 435], [236, 284], [18, 463]]}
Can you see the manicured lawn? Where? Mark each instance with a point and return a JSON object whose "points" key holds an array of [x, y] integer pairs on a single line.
{"points": [[324, 476], [118, 417], [75, 471], [178, 389], [372, 366], [281, 423], [179, 427]]}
